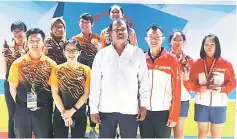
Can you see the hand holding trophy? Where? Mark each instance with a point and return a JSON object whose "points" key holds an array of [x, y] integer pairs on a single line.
{"points": [[6, 50], [210, 82], [96, 43], [184, 64]]}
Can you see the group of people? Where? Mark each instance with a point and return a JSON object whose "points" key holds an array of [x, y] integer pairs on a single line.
{"points": [[50, 82]]}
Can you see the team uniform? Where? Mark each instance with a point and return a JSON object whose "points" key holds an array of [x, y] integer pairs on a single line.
{"points": [[53, 46], [33, 99], [71, 84], [210, 106], [10, 56], [164, 76], [185, 94]]}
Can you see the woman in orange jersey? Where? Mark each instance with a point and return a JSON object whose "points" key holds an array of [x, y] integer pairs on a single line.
{"points": [[70, 88], [212, 78], [53, 45], [177, 39], [10, 53]]}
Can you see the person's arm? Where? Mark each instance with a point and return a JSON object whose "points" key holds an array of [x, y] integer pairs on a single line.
{"points": [[191, 79], [85, 96], [53, 82], [144, 88], [174, 110], [95, 84], [5, 57], [45, 49], [102, 40], [4, 63], [230, 80], [133, 37], [57, 99], [13, 79], [13, 90]]}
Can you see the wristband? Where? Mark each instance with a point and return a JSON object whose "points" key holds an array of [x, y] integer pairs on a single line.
{"points": [[75, 108]]}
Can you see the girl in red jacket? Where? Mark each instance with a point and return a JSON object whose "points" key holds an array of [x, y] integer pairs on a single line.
{"points": [[212, 78], [177, 39]]}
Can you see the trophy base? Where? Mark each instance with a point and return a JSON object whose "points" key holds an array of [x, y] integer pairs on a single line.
{"points": [[213, 87]]}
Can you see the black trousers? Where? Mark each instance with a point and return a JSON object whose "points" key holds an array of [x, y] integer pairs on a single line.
{"points": [[78, 131], [39, 121], [127, 125], [154, 126], [11, 109]]}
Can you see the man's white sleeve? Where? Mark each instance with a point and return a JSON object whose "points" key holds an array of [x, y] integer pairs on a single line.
{"points": [[144, 85], [95, 84]]}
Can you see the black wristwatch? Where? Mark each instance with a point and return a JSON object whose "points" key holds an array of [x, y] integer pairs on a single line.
{"points": [[75, 108]]}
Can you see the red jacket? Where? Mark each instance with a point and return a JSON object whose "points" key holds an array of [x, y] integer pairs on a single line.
{"points": [[224, 77], [164, 76]]}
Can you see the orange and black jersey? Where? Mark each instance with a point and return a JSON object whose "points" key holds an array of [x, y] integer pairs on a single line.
{"points": [[12, 54], [28, 73], [71, 82], [88, 49], [54, 50]]}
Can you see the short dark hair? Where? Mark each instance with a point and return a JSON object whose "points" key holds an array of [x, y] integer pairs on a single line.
{"points": [[115, 5], [155, 27], [174, 31], [72, 42], [118, 20], [18, 25], [87, 17], [35, 31], [217, 43]]}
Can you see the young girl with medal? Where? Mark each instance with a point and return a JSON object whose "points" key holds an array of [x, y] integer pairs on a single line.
{"points": [[70, 89], [177, 40], [212, 78]]}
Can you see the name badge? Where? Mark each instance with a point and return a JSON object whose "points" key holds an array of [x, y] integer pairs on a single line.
{"points": [[32, 101]]}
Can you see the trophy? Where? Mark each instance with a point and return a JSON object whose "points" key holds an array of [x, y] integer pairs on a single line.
{"points": [[6, 52], [96, 43], [19, 52], [210, 82], [93, 40], [184, 63], [107, 38]]}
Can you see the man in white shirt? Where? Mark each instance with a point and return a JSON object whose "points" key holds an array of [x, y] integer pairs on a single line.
{"points": [[119, 90]]}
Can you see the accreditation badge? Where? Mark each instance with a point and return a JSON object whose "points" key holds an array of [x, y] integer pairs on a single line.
{"points": [[32, 100]]}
